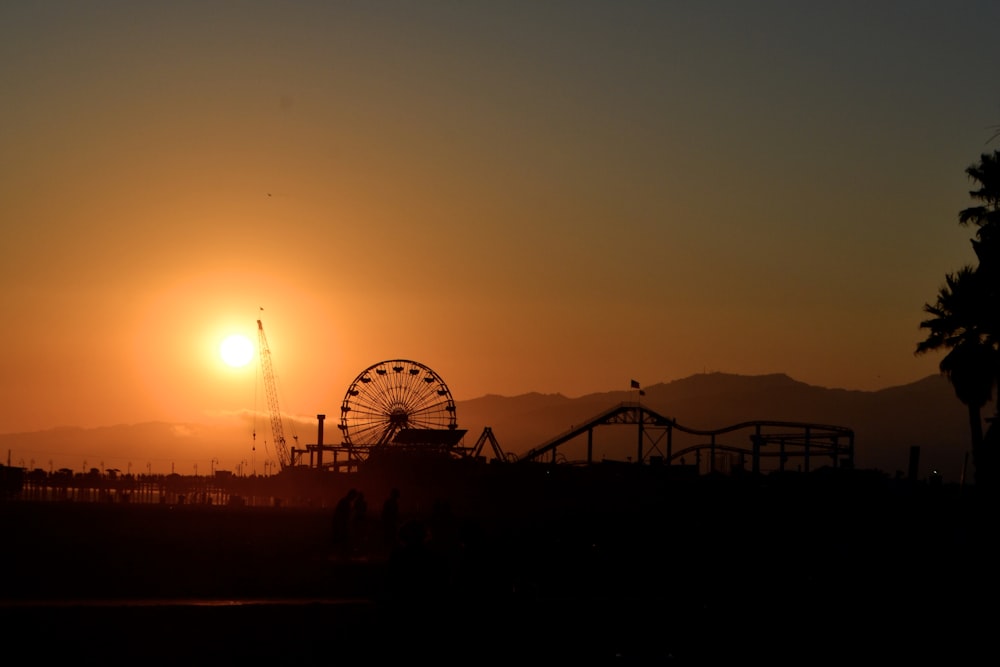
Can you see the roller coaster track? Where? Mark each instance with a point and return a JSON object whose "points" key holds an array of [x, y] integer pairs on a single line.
{"points": [[782, 440]]}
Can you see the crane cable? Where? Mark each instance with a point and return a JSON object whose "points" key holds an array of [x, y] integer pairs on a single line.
{"points": [[253, 433], [256, 411], [273, 392]]}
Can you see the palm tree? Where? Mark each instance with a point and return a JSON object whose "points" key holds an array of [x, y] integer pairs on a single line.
{"points": [[986, 175], [965, 320], [985, 216], [972, 361]]}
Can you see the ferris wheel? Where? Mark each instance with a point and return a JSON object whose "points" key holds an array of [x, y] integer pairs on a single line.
{"points": [[391, 396]]}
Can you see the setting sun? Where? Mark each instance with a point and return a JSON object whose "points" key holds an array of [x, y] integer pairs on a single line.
{"points": [[236, 350]]}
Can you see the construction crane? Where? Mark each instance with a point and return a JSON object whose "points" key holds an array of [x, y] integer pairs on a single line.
{"points": [[271, 390]]}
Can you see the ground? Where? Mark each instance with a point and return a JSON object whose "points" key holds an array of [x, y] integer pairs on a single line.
{"points": [[695, 573]]}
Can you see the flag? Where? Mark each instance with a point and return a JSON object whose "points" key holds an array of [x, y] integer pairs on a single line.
{"points": [[635, 384]]}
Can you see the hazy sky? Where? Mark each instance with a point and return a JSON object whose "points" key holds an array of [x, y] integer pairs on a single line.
{"points": [[523, 196]]}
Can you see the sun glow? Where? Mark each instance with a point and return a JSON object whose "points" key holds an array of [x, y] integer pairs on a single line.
{"points": [[236, 350]]}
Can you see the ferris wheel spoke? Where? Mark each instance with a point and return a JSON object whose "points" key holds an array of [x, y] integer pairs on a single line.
{"points": [[394, 395], [368, 406], [362, 402], [426, 424], [368, 418], [379, 394], [365, 433], [424, 394], [428, 410]]}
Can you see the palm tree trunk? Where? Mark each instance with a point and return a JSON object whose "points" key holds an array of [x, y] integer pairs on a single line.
{"points": [[976, 426], [987, 459], [979, 465]]}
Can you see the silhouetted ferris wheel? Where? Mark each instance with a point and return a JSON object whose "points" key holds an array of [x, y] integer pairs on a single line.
{"points": [[391, 396]]}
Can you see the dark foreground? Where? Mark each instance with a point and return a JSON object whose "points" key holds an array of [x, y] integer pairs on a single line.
{"points": [[806, 571]]}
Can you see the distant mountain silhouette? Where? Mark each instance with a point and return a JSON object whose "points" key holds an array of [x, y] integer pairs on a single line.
{"points": [[886, 423], [162, 446]]}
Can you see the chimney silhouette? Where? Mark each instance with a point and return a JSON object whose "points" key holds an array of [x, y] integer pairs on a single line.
{"points": [[319, 441]]}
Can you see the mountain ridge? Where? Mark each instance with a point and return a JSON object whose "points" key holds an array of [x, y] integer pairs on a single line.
{"points": [[887, 423]]}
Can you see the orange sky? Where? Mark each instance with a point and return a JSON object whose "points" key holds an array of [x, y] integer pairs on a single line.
{"points": [[524, 198]]}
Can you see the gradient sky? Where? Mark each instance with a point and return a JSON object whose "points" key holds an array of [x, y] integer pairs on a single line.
{"points": [[523, 196]]}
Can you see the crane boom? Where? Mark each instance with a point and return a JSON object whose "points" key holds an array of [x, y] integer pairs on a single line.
{"points": [[272, 399]]}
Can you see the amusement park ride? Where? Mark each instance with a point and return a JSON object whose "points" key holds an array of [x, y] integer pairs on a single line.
{"points": [[402, 408]]}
